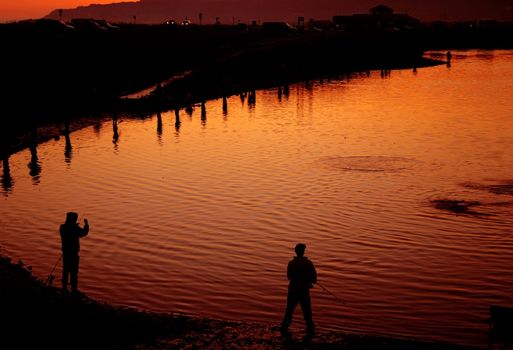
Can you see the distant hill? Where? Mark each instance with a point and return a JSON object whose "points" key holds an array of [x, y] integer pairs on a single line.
{"points": [[157, 11]]}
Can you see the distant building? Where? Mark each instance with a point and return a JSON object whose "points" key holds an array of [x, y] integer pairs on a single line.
{"points": [[380, 17], [486, 23], [381, 10], [321, 25]]}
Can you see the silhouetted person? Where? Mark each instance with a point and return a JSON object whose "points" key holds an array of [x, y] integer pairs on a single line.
{"points": [[71, 232], [302, 275]]}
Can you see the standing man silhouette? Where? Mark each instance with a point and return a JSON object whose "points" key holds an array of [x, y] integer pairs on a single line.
{"points": [[302, 275], [71, 232]]}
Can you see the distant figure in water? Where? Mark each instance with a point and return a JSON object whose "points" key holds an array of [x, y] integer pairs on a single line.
{"points": [[302, 275], [71, 232]]}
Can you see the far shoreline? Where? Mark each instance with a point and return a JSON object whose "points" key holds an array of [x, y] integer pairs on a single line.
{"points": [[181, 94]]}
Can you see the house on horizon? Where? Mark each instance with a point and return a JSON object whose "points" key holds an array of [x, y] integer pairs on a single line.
{"points": [[379, 18]]}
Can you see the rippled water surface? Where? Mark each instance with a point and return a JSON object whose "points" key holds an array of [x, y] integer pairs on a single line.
{"points": [[401, 187]]}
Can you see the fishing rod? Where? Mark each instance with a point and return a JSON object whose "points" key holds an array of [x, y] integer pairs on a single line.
{"points": [[51, 277], [330, 293]]}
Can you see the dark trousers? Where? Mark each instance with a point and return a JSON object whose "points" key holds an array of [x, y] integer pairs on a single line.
{"points": [[302, 298], [70, 269]]}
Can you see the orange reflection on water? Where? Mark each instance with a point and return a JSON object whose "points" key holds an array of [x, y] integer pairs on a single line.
{"points": [[201, 216]]}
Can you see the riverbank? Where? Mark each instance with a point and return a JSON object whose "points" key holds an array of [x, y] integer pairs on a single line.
{"points": [[80, 74], [83, 71], [37, 315], [279, 61]]}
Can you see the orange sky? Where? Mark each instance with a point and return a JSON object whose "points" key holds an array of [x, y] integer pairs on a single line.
{"points": [[157, 10], [21, 9]]}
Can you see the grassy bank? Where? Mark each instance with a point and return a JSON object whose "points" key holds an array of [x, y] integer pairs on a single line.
{"points": [[35, 315]]}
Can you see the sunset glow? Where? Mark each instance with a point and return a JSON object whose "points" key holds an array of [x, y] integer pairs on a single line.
{"points": [[256, 174], [348, 165], [149, 10], [23, 9]]}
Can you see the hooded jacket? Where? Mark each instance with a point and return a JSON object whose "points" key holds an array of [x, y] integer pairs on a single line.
{"points": [[70, 237]]}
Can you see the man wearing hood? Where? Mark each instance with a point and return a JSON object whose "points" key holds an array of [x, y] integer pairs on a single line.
{"points": [[302, 275], [71, 232]]}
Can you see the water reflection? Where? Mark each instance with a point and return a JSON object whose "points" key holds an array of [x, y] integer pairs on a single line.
{"points": [[252, 99], [225, 106], [189, 110], [115, 130], [381, 237], [7, 181], [97, 128], [68, 149], [115, 133], [204, 114], [159, 127], [178, 123], [385, 74], [34, 165], [286, 91], [242, 96]]}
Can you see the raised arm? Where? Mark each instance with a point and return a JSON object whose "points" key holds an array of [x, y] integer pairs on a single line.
{"points": [[84, 231]]}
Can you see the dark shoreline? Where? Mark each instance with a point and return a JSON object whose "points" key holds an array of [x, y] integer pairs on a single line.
{"points": [[181, 93], [79, 74], [37, 315], [144, 107]]}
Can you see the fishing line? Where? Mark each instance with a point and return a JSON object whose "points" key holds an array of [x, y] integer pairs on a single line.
{"points": [[50, 278], [330, 293]]}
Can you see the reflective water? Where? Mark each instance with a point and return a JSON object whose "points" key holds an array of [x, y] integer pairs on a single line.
{"points": [[401, 187]]}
